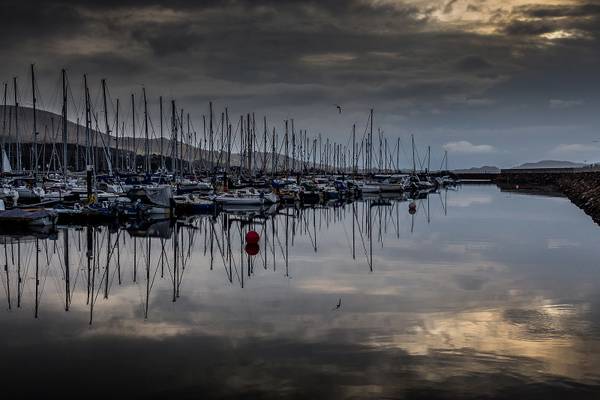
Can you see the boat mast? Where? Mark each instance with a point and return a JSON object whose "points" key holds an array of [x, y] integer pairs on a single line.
{"points": [[133, 131], [34, 161], [380, 165], [264, 163], [17, 138], [287, 152], [2, 151], [173, 139], [162, 157], [117, 137], [210, 136], [249, 143], [222, 144], [293, 148], [228, 140], [189, 161], [385, 159], [106, 127], [273, 149], [254, 146], [64, 123], [398, 155], [412, 138], [76, 146], [87, 121], [242, 160], [181, 139], [370, 166], [428, 158], [353, 149], [147, 143], [446, 157]]}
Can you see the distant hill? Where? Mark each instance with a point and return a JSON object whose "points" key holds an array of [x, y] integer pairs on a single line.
{"points": [[49, 128], [550, 164], [486, 169]]}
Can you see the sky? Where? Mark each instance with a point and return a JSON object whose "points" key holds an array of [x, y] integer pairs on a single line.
{"points": [[492, 82]]}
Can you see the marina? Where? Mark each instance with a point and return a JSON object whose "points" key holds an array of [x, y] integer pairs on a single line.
{"points": [[112, 176], [447, 284], [300, 199]]}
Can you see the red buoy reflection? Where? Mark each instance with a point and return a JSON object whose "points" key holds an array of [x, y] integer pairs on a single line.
{"points": [[252, 249]]}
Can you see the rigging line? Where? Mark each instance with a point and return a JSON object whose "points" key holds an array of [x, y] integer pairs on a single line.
{"points": [[165, 256], [362, 238], [76, 110], [57, 286], [158, 264], [43, 286], [364, 136], [313, 242], [3, 283], [346, 235], [222, 253]]}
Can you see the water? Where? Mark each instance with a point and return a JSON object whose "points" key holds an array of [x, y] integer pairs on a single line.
{"points": [[479, 293]]}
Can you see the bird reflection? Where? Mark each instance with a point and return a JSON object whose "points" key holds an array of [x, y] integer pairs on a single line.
{"points": [[338, 305]]}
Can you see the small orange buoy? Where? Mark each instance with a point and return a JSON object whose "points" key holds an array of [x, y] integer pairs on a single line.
{"points": [[252, 249], [252, 237]]}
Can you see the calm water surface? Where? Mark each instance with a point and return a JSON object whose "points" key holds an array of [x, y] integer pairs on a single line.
{"points": [[480, 293]]}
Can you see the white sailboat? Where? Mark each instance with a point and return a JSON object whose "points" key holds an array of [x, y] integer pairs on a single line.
{"points": [[247, 197]]}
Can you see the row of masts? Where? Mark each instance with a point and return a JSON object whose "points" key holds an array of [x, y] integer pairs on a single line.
{"points": [[107, 148]]}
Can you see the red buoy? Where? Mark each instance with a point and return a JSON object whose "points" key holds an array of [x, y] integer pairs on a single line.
{"points": [[252, 249], [252, 237], [412, 207]]}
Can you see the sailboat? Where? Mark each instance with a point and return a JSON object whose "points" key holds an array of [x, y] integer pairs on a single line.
{"points": [[193, 204], [15, 217], [248, 197]]}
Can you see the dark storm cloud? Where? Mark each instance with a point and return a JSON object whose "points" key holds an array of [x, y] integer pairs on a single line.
{"points": [[113, 65], [296, 58], [23, 20], [473, 63], [540, 19], [529, 28], [168, 39], [583, 10]]}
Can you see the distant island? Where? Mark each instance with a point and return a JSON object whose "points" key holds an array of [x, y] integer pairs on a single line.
{"points": [[550, 164], [544, 164]]}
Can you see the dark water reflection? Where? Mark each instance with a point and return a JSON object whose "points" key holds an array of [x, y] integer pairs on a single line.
{"points": [[479, 294]]}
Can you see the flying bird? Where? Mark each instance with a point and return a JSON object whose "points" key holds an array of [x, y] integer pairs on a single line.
{"points": [[339, 108]]}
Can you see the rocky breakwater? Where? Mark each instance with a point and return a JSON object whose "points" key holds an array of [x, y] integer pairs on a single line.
{"points": [[583, 189]]}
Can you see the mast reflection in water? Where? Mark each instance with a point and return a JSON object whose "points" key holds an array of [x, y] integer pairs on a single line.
{"points": [[474, 292]]}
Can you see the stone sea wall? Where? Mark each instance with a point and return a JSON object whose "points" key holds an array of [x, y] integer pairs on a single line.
{"points": [[582, 188]]}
